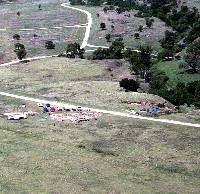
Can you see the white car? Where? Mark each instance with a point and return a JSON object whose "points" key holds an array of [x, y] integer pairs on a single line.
{"points": [[17, 116], [40, 104]]}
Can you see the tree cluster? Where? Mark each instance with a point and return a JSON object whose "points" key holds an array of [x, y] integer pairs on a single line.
{"points": [[180, 94], [115, 51], [139, 61]]}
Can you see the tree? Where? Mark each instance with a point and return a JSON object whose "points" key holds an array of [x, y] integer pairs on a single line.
{"points": [[140, 29], [116, 49], [135, 61], [74, 50], [158, 83], [105, 9], [108, 37], [49, 44], [192, 56], [18, 13], [20, 51], [94, 2], [16, 36], [112, 27], [145, 55], [40, 7], [129, 84], [100, 54], [119, 10], [77, 2], [149, 22], [140, 61], [103, 26], [137, 35], [169, 40]]}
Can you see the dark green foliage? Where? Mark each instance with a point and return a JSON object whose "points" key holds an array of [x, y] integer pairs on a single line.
{"points": [[137, 35], [140, 29], [74, 50], [105, 9], [129, 84], [20, 51], [194, 32], [108, 37], [192, 56], [120, 10], [115, 51], [139, 61], [172, 43], [100, 54], [149, 22], [136, 64], [159, 81], [16, 36], [77, 2], [183, 19], [103, 26], [169, 40], [95, 2], [49, 44], [166, 54], [181, 94], [124, 5]]}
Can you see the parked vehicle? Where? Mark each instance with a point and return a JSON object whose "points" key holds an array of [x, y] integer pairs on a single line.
{"points": [[40, 104], [17, 116]]}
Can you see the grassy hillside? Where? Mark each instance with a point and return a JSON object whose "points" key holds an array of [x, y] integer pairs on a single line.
{"points": [[176, 73], [125, 27], [110, 155], [77, 81]]}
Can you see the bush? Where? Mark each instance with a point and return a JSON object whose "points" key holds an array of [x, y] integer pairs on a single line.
{"points": [[16, 36], [137, 35], [73, 50], [49, 45], [103, 26], [129, 84], [20, 51], [100, 54]]}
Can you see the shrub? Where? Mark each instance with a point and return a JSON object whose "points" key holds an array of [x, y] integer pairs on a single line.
{"points": [[129, 84], [16, 36], [137, 35], [20, 51], [49, 45], [103, 26]]}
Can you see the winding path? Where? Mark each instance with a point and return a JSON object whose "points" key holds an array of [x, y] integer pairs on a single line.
{"points": [[83, 45]]}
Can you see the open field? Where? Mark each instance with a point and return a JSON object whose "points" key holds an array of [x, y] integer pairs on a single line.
{"points": [[31, 18], [125, 27], [76, 81], [175, 73], [110, 155]]}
